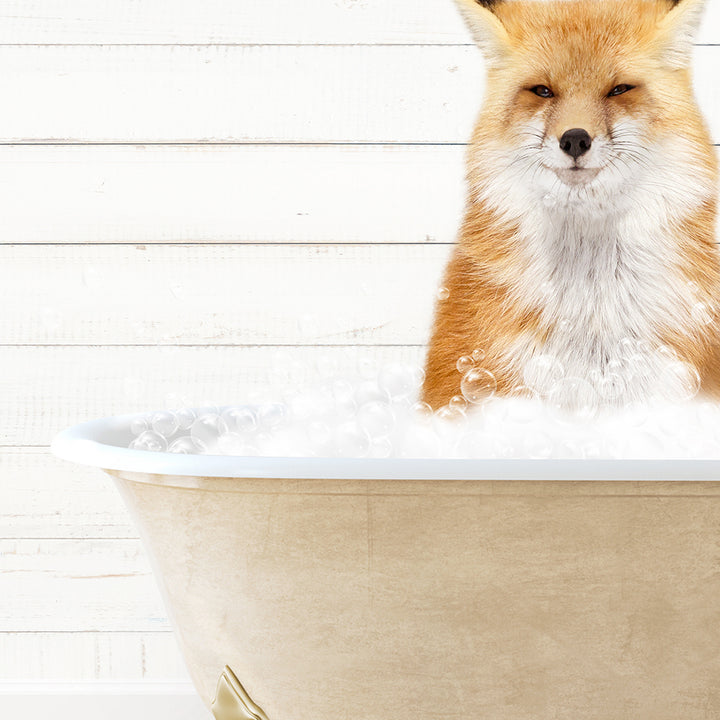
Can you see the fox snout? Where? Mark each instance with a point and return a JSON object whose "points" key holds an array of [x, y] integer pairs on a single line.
{"points": [[575, 142]]}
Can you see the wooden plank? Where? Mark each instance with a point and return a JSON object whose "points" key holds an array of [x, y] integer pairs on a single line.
{"points": [[219, 295], [319, 194], [98, 656], [77, 585], [309, 94], [238, 93], [220, 21], [44, 389], [43, 497]]}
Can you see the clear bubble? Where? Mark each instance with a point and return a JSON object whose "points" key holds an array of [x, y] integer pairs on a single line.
{"points": [[459, 403], [478, 355], [611, 386], [149, 440], [549, 200], [377, 419], [702, 313], [537, 445], [369, 391], [165, 423], [185, 445], [239, 420], [351, 440], [478, 385], [380, 448], [185, 417], [139, 425], [443, 293], [206, 429], [422, 410], [679, 381], [542, 373], [575, 398], [398, 380], [272, 415], [464, 364]]}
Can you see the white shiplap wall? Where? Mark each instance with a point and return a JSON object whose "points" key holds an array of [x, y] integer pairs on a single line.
{"points": [[186, 187]]}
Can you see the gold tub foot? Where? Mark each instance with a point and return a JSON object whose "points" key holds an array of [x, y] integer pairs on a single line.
{"points": [[232, 701]]}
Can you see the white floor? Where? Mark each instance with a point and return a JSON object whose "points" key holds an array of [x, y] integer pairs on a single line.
{"points": [[106, 700]]}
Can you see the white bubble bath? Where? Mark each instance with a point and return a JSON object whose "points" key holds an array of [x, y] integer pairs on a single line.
{"points": [[378, 415]]}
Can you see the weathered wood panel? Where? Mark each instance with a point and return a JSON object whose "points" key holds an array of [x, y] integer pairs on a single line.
{"points": [[219, 295], [220, 21], [80, 656], [44, 497], [308, 94], [317, 194], [77, 585]]}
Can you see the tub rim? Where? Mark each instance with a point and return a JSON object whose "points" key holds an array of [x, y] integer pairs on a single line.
{"points": [[90, 443]]}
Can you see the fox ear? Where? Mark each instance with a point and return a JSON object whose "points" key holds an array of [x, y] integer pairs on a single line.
{"points": [[677, 30], [486, 28]]}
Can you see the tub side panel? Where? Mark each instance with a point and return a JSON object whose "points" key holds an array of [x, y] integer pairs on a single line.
{"points": [[509, 606]]}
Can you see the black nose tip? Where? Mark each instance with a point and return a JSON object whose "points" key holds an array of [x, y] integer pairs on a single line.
{"points": [[575, 142]]}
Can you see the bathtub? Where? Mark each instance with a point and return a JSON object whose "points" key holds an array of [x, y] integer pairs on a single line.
{"points": [[326, 589]]}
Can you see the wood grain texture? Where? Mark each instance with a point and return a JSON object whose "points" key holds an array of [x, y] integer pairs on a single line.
{"points": [[80, 656], [44, 389], [219, 21], [342, 94], [219, 295], [42, 497], [201, 194], [77, 585]]}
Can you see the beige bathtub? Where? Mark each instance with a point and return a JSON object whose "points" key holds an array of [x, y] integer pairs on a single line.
{"points": [[398, 589]]}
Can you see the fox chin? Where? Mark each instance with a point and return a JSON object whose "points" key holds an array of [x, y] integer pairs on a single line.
{"points": [[588, 240]]}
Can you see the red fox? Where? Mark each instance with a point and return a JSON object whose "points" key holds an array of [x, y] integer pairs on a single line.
{"points": [[589, 229]]}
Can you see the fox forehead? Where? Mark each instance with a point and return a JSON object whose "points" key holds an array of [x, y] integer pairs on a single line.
{"points": [[578, 40]]}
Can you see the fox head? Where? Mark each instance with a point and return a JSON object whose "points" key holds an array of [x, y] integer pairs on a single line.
{"points": [[587, 99]]}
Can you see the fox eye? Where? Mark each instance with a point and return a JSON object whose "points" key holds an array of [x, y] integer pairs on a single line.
{"points": [[620, 89], [542, 91]]}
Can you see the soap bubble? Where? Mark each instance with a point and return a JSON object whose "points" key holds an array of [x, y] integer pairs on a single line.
{"points": [[185, 417], [574, 398], [149, 440], [377, 419], [702, 313], [185, 445], [478, 385], [139, 425], [164, 423], [206, 429], [380, 448], [397, 380], [542, 373], [459, 403], [369, 391], [272, 415], [611, 386], [464, 364], [351, 440], [422, 410], [238, 420], [478, 355], [443, 293], [538, 445], [679, 381]]}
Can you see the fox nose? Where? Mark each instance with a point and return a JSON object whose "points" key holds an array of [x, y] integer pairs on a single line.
{"points": [[575, 142]]}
